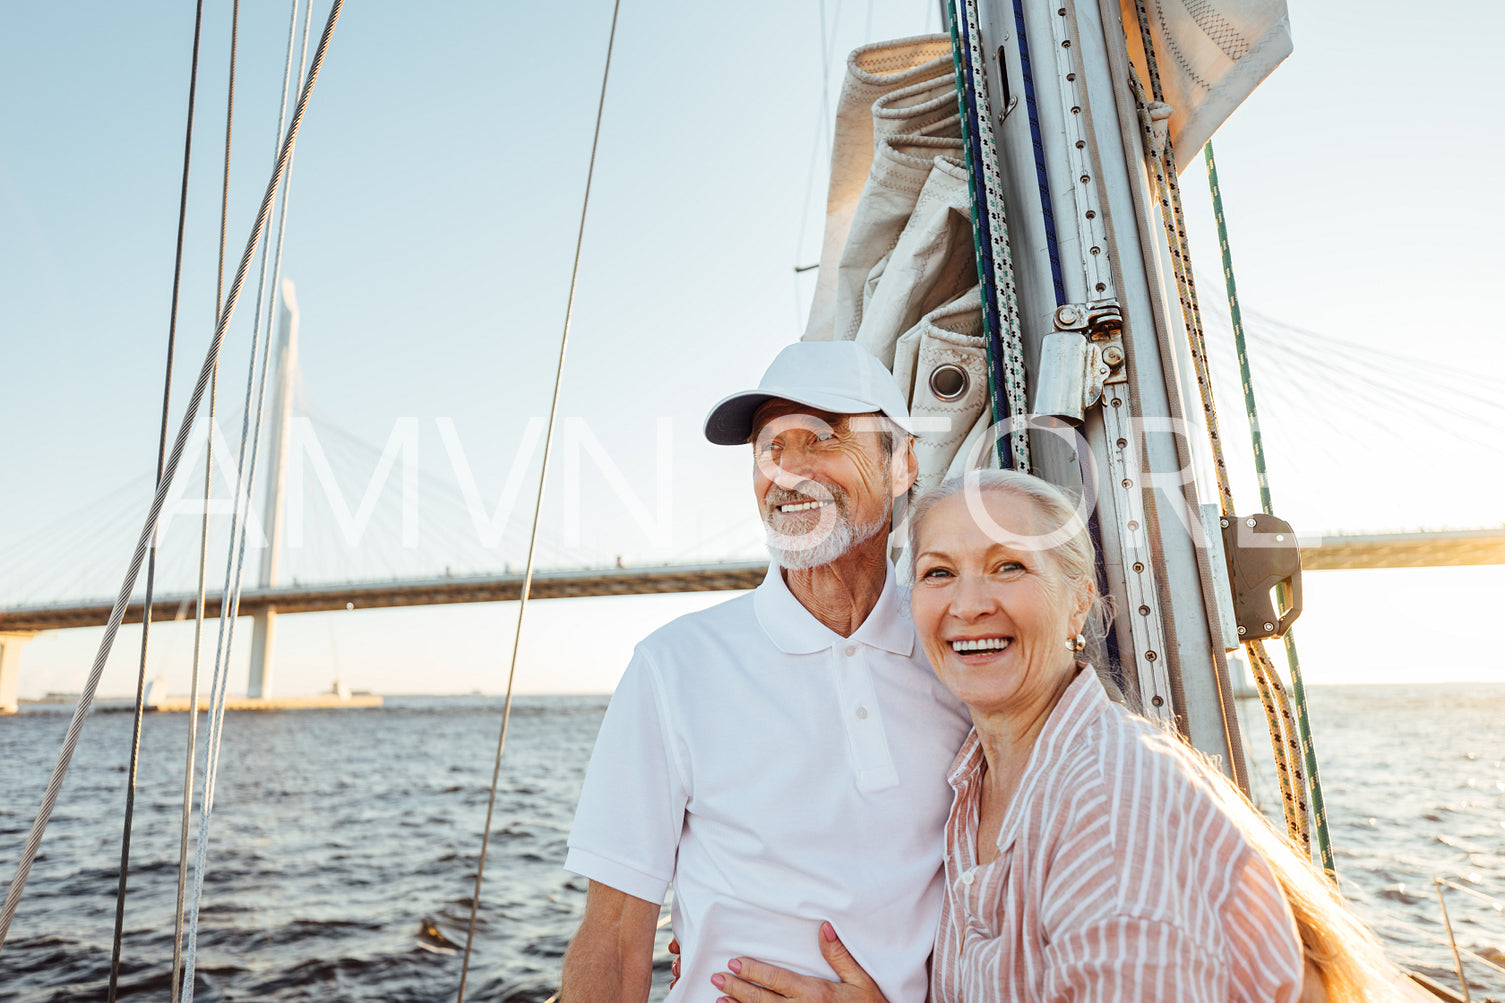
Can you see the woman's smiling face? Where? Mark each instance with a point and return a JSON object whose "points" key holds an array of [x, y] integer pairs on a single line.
{"points": [[994, 617]]}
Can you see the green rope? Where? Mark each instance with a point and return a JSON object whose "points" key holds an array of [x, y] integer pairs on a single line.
{"points": [[996, 404], [1298, 690]]}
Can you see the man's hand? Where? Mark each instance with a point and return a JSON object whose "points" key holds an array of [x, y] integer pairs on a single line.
{"points": [[610, 960], [751, 981]]}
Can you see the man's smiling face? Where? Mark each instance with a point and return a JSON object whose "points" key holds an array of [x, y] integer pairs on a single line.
{"points": [[822, 481]]}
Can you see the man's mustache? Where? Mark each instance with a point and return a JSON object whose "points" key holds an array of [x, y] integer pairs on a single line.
{"points": [[805, 491]]}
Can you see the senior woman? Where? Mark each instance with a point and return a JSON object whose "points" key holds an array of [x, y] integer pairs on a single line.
{"points": [[1089, 855]]}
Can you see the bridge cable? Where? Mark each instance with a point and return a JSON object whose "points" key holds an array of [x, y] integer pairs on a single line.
{"points": [[548, 442], [154, 512], [198, 617], [151, 564], [256, 381]]}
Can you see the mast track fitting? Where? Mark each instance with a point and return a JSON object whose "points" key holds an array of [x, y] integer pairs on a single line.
{"points": [[1263, 555], [1083, 354]]}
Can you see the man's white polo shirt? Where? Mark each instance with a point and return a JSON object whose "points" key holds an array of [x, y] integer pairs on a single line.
{"points": [[778, 775]]}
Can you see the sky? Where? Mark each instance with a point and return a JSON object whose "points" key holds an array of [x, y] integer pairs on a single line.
{"points": [[435, 202]]}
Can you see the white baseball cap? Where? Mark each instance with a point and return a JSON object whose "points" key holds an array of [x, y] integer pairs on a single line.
{"points": [[841, 377]]}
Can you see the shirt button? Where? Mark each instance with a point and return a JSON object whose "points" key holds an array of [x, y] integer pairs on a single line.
{"points": [[862, 713], [968, 877], [851, 650]]}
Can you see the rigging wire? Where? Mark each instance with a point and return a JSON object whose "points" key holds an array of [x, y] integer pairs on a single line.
{"points": [[824, 124], [151, 563], [91, 683], [245, 474], [548, 442], [198, 617]]}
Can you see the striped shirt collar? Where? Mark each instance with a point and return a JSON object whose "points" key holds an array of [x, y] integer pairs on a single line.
{"points": [[1084, 700], [794, 630]]}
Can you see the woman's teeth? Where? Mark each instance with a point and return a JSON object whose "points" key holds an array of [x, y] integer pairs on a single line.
{"points": [[982, 644]]}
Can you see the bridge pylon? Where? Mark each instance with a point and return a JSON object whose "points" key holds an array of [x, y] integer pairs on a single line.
{"points": [[264, 630], [10, 667]]}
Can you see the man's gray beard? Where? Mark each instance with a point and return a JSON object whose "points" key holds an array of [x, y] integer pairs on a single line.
{"points": [[843, 536]]}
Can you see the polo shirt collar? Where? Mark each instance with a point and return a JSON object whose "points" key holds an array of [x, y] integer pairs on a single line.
{"points": [[794, 630]]}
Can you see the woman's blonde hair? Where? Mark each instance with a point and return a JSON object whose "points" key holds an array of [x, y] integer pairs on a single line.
{"points": [[1345, 954], [1347, 958]]}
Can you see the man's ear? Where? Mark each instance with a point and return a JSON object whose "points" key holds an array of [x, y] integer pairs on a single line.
{"points": [[906, 467]]}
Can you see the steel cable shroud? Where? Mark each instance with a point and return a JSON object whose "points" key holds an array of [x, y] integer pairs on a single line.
{"points": [[175, 456], [198, 617], [548, 442], [245, 474], [151, 563]]}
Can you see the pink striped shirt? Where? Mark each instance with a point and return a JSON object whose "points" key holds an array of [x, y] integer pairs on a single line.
{"points": [[1118, 879]]}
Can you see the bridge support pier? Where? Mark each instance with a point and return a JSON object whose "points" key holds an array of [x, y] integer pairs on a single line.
{"points": [[10, 668], [263, 654], [264, 634]]}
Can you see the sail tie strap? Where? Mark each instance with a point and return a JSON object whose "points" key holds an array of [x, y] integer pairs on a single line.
{"points": [[154, 512], [548, 442]]}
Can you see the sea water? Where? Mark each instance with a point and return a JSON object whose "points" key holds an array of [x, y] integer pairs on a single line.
{"points": [[344, 844]]}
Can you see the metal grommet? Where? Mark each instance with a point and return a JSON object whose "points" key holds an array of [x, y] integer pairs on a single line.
{"points": [[949, 382]]}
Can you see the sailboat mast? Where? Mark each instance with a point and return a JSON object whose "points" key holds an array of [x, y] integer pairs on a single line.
{"points": [[1104, 350]]}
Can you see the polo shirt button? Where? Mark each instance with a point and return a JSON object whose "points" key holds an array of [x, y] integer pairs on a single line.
{"points": [[968, 877], [861, 713], [851, 650]]}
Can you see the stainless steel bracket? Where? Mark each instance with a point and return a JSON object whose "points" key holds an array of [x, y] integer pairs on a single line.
{"points": [[1083, 354]]}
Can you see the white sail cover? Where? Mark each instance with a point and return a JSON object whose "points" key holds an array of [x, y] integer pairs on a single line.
{"points": [[897, 268], [917, 122], [1211, 55]]}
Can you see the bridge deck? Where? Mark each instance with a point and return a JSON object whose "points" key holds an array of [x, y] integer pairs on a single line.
{"points": [[411, 592], [1397, 550]]}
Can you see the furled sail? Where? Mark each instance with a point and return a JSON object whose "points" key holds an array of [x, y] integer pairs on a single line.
{"points": [[897, 271]]}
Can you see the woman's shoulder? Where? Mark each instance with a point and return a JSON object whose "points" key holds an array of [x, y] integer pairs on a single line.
{"points": [[1149, 800]]}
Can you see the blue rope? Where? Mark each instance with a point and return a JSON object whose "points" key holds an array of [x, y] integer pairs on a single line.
{"points": [[1033, 114]]}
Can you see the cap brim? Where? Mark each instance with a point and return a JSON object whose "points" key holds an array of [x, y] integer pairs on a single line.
{"points": [[730, 421]]}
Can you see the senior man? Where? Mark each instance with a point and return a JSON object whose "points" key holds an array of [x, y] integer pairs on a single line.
{"points": [[780, 758]]}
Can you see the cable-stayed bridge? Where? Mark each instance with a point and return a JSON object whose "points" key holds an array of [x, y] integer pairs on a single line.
{"points": [[371, 554]]}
